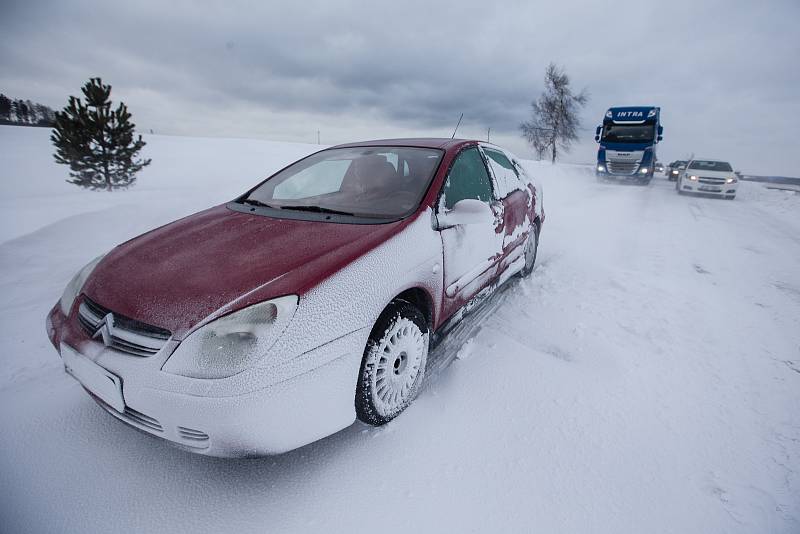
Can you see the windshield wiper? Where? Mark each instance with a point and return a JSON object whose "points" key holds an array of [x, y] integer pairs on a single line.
{"points": [[317, 209], [254, 202]]}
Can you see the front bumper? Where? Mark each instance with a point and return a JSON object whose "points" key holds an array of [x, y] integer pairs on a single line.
{"points": [[255, 414], [719, 190]]}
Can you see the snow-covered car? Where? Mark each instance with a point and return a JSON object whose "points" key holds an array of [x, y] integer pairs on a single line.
{"points": [[708, 177], [268, 322], [659, 167], [674, 170]]}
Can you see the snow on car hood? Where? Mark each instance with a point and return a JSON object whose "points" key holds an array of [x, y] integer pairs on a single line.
{"points": [[709, 174], [219, 260]]}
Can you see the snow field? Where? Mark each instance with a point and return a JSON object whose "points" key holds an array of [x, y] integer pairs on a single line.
{"points": [[645, 378]]}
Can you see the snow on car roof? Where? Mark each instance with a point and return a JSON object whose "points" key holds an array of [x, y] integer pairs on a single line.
{"points": [[422, 142]]}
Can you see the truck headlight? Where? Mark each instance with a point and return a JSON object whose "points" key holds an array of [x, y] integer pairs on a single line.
{"points": [[692, 177], [644, 170], [601, 168], [232, 343], [75, 285]]}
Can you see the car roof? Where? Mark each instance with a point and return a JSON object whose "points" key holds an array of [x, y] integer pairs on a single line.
{"points": [[419, 142], [711, 159]]}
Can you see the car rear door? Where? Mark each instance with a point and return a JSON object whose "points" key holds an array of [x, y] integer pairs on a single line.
{"points": [[515, 206], [471, 251]]}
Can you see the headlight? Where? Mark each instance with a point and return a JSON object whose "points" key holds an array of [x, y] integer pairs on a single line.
{"points": [[644, 170], [75, 285], [692, 177], [730, 180], [601, 168], [232, 343], [674, 172]]}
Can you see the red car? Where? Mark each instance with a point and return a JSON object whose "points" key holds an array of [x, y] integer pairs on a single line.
{"points": [[271, 321]]}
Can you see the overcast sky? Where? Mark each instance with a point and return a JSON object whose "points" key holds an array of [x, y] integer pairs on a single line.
{"points": [[725, 73]]}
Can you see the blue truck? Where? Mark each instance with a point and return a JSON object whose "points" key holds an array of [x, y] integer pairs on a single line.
{"points": [[628, 139]]}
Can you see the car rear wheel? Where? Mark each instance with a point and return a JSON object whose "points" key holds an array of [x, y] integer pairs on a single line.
{"points": [[393, 367], [531, 249]]}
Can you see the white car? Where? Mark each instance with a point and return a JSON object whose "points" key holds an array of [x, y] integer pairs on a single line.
{"points": [[708, 177]]}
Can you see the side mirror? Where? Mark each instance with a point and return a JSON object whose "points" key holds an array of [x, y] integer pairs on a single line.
{"points": [[467, 211], [597, 130], [660, 130], [659, 138]]}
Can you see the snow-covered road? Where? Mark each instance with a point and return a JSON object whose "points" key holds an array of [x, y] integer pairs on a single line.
{"points": [[646, 378]]}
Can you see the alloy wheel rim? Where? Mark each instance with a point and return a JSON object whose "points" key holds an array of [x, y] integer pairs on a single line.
{"points": [[400, 356]]}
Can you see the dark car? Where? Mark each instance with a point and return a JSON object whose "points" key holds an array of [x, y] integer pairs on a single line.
{"points": [[674, 169]]}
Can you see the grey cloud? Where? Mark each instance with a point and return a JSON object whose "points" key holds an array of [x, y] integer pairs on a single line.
{"points": [[365, 69]]}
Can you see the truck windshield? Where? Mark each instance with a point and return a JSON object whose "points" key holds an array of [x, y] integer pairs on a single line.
{"points": [[376, 182], [628, 133], [720, 166]]}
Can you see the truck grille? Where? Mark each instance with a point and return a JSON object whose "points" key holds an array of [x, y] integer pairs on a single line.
{"points": [[119, 332], [622, 167]]}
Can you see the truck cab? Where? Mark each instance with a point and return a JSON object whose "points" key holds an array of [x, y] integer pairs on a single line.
{"points": [[628, 139]]}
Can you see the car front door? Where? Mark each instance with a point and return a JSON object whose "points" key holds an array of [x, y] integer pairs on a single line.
{"points": [[471, 251]]}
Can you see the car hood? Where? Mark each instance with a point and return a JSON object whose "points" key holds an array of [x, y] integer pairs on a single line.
{"points": [[217, 261], [710, 174]]}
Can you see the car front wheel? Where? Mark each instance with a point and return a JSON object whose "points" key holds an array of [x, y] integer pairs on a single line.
{"points": [[393, 367]]}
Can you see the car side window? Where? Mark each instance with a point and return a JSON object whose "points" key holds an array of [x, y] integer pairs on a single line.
{"points": [[506, 174], [500, 159], [467, 179]]}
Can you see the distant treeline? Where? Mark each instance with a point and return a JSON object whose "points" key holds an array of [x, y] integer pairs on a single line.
{"points": [[25, 113]]}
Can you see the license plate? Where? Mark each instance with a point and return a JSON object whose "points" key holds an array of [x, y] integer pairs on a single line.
{"points": [[107, 386], [710, 188]]}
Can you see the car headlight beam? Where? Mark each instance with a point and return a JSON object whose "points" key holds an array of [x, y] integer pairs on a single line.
{"points": [[233, 343]]}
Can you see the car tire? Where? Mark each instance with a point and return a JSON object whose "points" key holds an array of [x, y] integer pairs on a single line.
{"points": [[531, 250], [393, 367]]}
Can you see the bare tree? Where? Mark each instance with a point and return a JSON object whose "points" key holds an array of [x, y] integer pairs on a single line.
{"points": [[554, 120]]}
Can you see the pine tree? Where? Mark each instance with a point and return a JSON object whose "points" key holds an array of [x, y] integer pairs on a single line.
{"points": [[5, 107], [97, 142], [22, 112]]}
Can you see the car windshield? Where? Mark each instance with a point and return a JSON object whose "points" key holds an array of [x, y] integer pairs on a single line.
{"points": [[378, 182], [628, 133], [719, 166]]}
